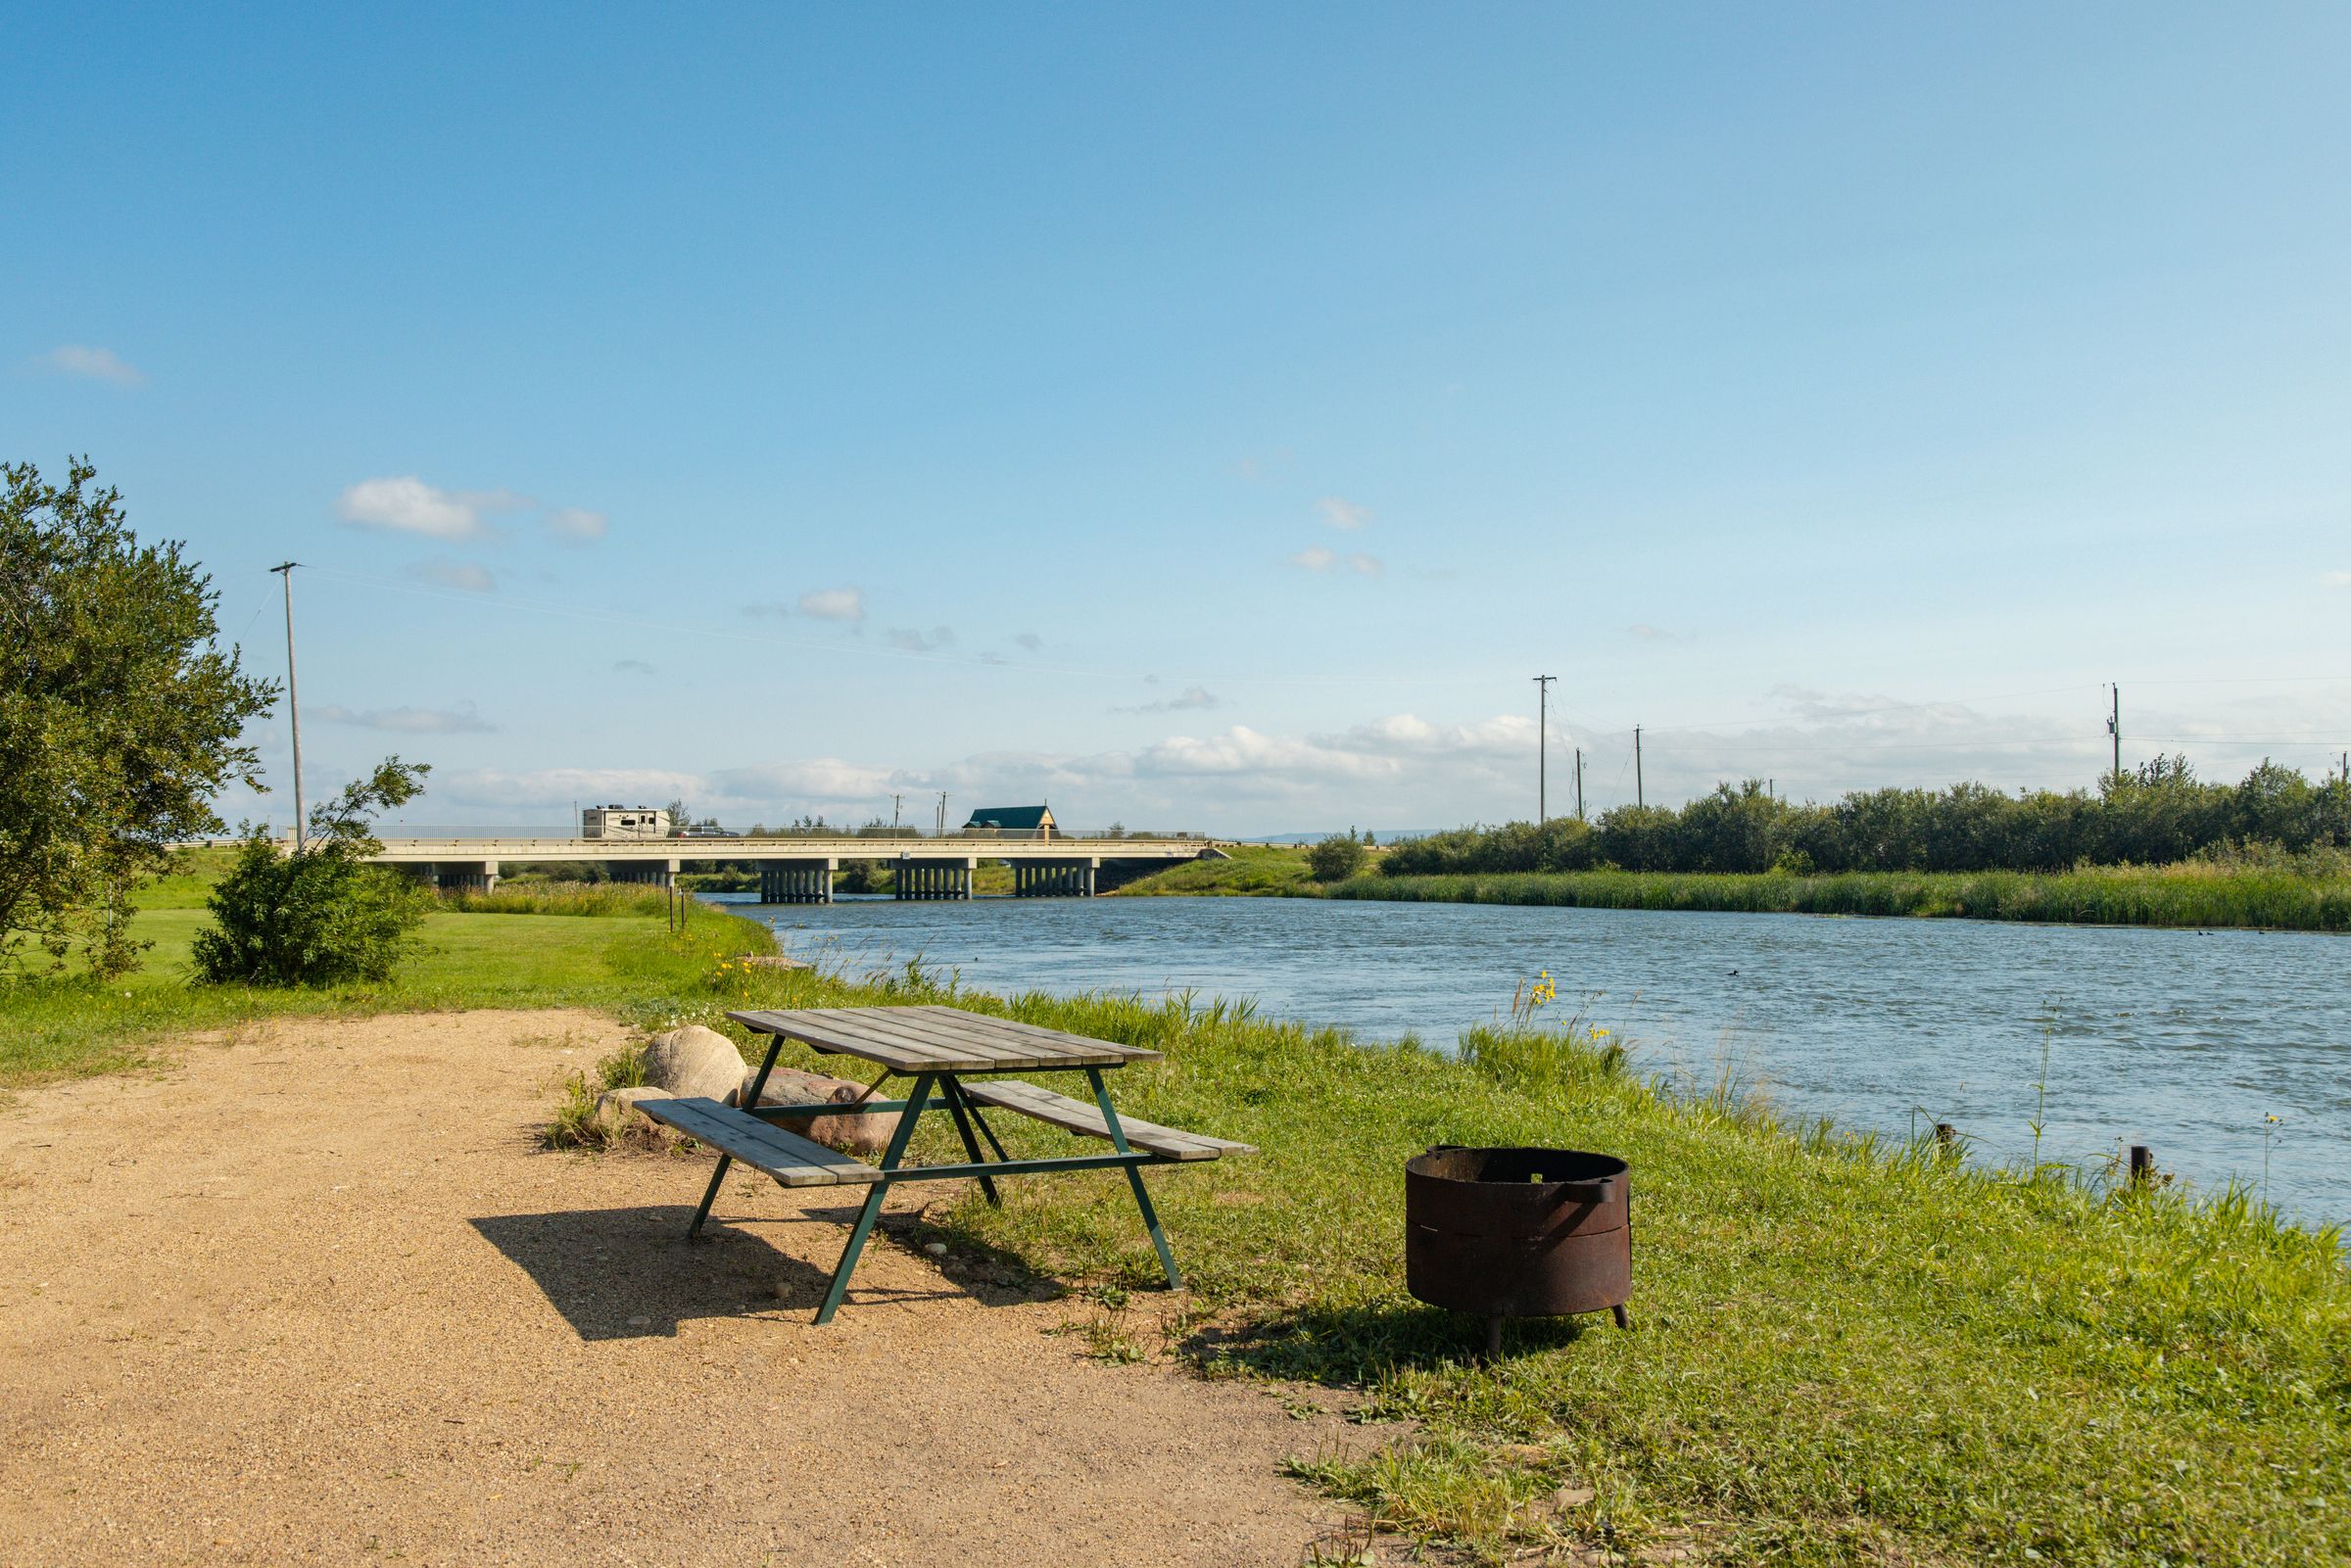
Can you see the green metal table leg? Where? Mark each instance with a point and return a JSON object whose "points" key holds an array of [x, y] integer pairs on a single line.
{"points": [[898, 1139], [775, 1043], [957, 1107], [710, 1196], [1134, 1179]]}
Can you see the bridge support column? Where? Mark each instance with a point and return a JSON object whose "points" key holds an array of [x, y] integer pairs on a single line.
{"points": [[653, 871], [795, 881], [457, 876]]}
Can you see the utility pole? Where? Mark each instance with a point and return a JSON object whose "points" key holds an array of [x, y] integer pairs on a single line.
{"points": [[1542, 744], [943, 813], [1638, 799], [895, 803], [1580, 783], [2114, 727], [293, 703]]}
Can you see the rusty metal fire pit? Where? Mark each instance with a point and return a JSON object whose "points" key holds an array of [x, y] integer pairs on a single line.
{"points": [[1519, 1233]]}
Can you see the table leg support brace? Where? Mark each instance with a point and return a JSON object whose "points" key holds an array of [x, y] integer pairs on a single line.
{"points": [[916, 1099], [1134, 1179], [960, 1109]]}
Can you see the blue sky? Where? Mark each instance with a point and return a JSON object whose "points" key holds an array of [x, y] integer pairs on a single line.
{"points": [[1211, 417]]}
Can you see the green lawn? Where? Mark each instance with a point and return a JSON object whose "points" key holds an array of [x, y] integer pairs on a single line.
{"points": [[629, 966]]}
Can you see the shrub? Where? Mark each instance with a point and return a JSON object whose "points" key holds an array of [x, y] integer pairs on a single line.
{"points": [[323, 916], [1335, 859]]}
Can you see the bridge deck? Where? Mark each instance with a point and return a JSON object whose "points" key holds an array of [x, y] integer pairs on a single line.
{"points": [[401, 851]]}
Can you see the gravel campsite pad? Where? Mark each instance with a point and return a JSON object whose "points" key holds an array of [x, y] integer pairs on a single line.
{"points": [[315, 1294]]}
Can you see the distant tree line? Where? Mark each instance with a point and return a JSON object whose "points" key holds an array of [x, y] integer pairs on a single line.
{"points": [[2157, 815]]}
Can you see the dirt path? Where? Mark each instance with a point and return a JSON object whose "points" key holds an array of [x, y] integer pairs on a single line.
{"points": [[316, 1296]]}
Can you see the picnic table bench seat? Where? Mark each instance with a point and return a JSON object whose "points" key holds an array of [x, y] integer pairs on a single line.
{"points": [[794, 1161], [1083, 1117]]}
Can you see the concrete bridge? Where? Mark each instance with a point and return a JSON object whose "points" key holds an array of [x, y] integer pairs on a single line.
{"points": [[799, 871]]}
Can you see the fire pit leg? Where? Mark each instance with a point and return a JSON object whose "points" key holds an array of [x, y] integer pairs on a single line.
{"points": [[1623, 1319], [1493, 1337]]}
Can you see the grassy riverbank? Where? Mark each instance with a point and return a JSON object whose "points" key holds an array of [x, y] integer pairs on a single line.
{"points": [[2184, 896], [2190, 894], [1250, 871], [1845, 1350]]}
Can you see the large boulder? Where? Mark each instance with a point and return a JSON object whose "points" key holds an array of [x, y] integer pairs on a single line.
{"points": [[693, 1062], [865, 1132]]}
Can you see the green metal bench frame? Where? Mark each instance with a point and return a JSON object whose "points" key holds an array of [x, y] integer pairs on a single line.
{"points": [[944, 1091]]}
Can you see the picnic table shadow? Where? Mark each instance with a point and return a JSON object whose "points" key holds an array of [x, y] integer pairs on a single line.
{"points": [[631, 1273]]}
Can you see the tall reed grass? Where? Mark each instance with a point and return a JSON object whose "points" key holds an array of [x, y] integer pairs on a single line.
{"points": [[561, 898], [2190, 895]]}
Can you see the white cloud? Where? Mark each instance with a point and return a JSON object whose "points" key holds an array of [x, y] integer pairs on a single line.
{"points": [[1316, 559], [1028, 641], [909, 641], [410, 505], [533, 791], [2338, 579], [408, 721], [1339, 513], [1655, 633], [833, 604], [577, 525], [1195, 699], [631, 667], [85, 363], [827, 783], [1407, 770], [456, 574]]}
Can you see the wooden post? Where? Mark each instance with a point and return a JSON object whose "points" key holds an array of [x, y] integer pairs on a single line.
{"points": [[2143, 1164]]}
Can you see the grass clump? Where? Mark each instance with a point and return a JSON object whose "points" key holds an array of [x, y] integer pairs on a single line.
{"points": [[597, 900], [575, 1123]]}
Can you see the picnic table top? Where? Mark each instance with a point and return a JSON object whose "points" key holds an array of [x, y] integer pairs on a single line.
{"points": [[940, 1039]]}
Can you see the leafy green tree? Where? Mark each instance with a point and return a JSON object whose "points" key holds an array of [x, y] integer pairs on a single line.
{"points": [[1637, 838], [119, 717], [1335, 859], [323, 916]]}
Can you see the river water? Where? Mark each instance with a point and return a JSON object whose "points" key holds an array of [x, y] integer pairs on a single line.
{"points": [[2181, 1040]]}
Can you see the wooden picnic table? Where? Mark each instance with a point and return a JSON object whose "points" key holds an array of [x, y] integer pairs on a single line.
{"points": [[958, 1061]]}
